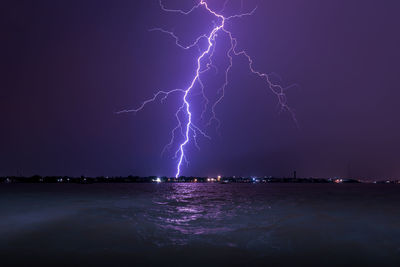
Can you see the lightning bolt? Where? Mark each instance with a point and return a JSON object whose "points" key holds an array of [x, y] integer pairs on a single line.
{"points": [[189, 130]]}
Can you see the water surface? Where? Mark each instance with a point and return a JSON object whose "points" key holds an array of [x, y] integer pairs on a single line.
{"points": [[200, 224]]}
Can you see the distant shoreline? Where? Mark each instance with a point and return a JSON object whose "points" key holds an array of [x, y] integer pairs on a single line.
{"points": [[155, 179]]}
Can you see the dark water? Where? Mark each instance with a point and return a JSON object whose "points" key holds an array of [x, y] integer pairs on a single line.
{"points": [[200, 224]]}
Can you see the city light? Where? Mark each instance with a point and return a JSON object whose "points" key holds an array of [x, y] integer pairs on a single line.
{"points": [[157, 180]]}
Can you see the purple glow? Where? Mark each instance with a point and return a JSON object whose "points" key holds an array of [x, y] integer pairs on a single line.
{"points": [[208, 52]]}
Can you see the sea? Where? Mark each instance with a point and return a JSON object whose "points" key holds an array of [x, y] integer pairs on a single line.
{"points": [[199, 224]]}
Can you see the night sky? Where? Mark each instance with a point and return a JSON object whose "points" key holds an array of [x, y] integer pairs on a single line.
{"points": [[68, 66]]}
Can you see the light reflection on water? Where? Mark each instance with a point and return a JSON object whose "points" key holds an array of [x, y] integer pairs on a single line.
{"points": [[190, 209]]}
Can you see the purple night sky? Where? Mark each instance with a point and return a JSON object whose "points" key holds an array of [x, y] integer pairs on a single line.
{"points": [[68, 66]]}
